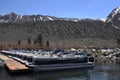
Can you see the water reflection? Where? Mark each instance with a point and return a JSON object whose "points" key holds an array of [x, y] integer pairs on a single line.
{"points": [[56, 75], [64, 75], [105, 72], [4, 75], [99, 72]]}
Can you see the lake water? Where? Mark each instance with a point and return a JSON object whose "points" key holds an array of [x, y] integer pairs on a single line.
{"points": [[99, 72]]}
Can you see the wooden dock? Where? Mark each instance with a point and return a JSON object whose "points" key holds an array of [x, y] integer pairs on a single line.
{"points": [[13, 66]]}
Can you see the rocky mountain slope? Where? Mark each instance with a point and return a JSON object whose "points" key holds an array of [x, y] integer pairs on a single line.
{"points": [[60, 31], [13, 17], [113, 18]]}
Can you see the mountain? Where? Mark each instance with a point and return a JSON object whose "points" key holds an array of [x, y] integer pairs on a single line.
{"points": [[61, 31], [113, 18], [13, 17], [58, 32], [113, 23]]}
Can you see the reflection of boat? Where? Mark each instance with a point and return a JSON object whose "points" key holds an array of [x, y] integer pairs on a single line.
{"points": [[77, 74], [1, 63], [45, 61], [118, 58]]}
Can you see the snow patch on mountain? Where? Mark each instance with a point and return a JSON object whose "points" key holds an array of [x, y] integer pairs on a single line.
{"points": [[75, 20], [21, 17], [34, 19], [102, 19], [50, 18], [116, 11], [41, 18], [115, 26], [113, 14]]}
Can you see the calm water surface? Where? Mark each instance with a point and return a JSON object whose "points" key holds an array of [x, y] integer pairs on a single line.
{"points": [[99, 72]]}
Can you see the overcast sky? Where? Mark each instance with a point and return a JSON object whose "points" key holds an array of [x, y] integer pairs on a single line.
{"points": [[60, 8]]}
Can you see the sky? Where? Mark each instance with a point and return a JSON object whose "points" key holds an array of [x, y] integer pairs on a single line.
{"points": [[93, 9]]}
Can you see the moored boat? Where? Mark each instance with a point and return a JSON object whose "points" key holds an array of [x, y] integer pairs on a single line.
{"points": [[62, 60]]}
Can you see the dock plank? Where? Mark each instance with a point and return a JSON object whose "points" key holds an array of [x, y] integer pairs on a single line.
{"points": [[12, 64]]}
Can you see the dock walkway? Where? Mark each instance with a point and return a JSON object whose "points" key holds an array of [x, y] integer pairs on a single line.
{"points": [[13, 65]]}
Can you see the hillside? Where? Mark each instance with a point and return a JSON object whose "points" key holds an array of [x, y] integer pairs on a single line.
{"points": [[59, 31]]}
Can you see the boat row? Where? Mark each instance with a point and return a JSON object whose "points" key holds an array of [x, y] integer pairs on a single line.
{"points": [[44, 60]]}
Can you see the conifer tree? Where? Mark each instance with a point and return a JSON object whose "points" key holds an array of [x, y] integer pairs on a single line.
{"points": [[40, 39]]}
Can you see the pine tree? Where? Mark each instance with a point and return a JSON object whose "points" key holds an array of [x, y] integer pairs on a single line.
{"points": [[19, 42], [40, 39], [34, 42], [47, 43], [29, 41], [118, 42]]}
